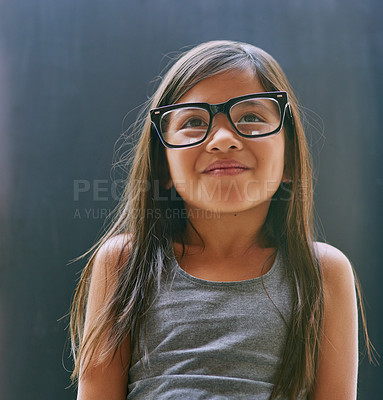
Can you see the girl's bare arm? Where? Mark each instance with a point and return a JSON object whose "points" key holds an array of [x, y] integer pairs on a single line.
{"points": [[107, 380], [338, 358]]}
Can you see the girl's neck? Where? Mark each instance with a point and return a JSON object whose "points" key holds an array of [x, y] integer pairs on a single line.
{"points": [[225, 234]]}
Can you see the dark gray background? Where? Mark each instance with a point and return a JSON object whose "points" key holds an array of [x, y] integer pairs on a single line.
{"points": [[70, 70]]}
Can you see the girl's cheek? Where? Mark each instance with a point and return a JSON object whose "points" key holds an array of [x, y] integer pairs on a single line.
{"points": [[182, 162]]}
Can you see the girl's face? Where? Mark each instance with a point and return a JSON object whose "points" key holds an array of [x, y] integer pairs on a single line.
{"points": [[235, 189]]}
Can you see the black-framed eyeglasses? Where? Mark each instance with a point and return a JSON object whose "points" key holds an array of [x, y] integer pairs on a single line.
{"points": [[252, 116]]}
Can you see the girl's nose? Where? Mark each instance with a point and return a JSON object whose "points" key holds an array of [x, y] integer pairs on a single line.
{"points": [[222, 136]]}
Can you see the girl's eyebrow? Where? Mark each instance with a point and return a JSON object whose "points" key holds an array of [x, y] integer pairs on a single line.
{"points": [[257, 102], [175, 113]]}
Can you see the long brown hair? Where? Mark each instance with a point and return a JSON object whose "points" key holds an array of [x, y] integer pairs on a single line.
{"points": [[289, 226]]}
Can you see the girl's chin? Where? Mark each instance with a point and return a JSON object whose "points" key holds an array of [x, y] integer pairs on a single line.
{"points": [[221, 208]]}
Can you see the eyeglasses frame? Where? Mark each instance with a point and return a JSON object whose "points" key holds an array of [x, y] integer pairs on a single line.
{"points": [[213, 109]]}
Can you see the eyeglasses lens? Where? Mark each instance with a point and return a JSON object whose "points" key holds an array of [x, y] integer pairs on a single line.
{"points": [[256, 116], [184, 125]]}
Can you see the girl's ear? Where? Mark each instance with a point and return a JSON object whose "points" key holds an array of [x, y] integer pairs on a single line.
{"points": [[287, 171], [286, 177], [165, 178], [169, 184], [163, 170]]}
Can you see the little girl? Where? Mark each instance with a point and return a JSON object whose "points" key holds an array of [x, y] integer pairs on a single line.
{"points": [[209, 284]]}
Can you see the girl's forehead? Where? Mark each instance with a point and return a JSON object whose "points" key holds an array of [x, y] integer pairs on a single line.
{"points": [[223, 86]]}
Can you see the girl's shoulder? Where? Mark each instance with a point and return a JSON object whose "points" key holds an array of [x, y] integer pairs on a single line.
{"points": [[113, 252], [336, 267], [116, 243], [339, 288], [338, 359]]}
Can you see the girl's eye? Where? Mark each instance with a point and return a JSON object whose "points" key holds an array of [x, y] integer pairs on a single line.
{"points": [[250, 118], [194, 123]]}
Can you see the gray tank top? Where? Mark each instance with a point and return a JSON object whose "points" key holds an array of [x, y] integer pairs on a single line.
{"points": [[214, 340]]}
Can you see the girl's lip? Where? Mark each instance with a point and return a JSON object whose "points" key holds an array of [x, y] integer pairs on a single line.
{"points": [[226, 171], [226, 166]]}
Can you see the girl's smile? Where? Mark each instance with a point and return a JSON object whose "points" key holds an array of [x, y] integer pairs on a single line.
{"points": [[227, 172], [225, 167]]}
